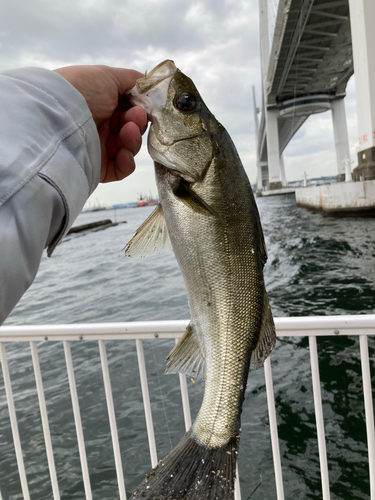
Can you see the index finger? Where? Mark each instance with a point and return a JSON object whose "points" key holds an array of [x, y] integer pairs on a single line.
{"points": [[137, 115]]}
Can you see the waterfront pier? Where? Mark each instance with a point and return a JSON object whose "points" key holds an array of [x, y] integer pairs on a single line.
{"points": [[308, 54]]}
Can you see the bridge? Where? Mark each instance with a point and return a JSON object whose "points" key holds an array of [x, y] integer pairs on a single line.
{"points": [[309, 51]]}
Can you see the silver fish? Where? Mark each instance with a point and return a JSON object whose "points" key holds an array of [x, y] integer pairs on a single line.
{"points": [[208, 214]]}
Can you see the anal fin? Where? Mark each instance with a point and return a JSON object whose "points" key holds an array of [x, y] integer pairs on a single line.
{"points": [[187, 356], [267, 337], [151, 237]]}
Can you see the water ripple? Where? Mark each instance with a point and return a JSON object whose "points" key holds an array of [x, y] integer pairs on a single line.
{"points": [[316, 266]]}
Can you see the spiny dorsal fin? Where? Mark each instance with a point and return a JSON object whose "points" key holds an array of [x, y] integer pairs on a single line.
{"points": [[267, 337], [262, 243], [187, 357], [151, 237]]}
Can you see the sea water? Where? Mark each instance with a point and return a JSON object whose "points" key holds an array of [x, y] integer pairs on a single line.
{"points": [[316, 266]]}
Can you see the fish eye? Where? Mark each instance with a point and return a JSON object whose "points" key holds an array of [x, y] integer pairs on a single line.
{"points": [[186, 102]]}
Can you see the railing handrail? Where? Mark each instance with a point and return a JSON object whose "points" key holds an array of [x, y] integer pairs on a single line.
{"points": [[285, 326]]}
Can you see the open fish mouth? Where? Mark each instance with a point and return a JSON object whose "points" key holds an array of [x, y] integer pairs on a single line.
{"points": [[151, 91]]}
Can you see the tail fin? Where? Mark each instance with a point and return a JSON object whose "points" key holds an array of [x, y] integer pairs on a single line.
{"points": [[192, 471]]}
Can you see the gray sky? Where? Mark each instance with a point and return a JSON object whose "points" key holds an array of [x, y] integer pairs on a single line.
{"points": [[215, 42]]}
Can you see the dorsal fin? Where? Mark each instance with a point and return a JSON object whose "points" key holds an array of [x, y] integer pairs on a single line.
{"points": [[262, 243], [151, 237], [267, 337]]}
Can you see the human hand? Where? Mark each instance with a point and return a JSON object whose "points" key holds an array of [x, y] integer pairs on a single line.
{"points": [[120, 127]]}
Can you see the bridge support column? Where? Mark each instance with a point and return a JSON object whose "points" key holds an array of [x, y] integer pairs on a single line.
{"points": [[362, 20], [259, 168], [282, 171], [264, 174], [259, 176], [340, 132], [273, 149]]}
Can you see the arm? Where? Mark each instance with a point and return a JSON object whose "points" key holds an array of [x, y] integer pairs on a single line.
{"points": [[54, 151]]}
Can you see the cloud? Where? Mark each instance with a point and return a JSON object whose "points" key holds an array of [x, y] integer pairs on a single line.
{"points": [[215, 42]]}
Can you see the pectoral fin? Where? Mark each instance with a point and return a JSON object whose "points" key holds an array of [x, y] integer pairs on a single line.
{"points": [[191, 199], [187, 357], [267, 338], [151, 237]]}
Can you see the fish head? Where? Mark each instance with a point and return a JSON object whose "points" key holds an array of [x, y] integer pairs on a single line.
{"points": [[182, 127]]}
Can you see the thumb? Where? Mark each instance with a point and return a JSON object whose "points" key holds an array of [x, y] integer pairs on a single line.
{"points": [[125, 78]]}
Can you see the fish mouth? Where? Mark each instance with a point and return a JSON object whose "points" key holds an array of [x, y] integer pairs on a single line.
{"points": [[151, 91], [172, 142], [185, 138]]}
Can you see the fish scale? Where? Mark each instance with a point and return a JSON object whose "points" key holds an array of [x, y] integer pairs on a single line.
{"points": [[208, 210]]}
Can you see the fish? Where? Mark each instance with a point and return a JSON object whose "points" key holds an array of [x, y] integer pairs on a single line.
{"points": [[208, 215]]}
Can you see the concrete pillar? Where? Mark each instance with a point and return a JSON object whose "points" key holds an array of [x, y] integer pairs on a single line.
{"points": [[362, 21], [273, 149], [264, 174], [256, 128], [348, 170], [264, 42], [340, 133], [271, 115], [304, 179], [282, 171], [264, 61], [259, 176]]}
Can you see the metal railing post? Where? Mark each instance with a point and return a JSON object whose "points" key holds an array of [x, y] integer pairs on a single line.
{"points": [[112, 420], [45, 424], [77, 420], [319, 417], [369, 410], [146, 403], [185, 398], [237, 488], [13, 423], [273, 429]]}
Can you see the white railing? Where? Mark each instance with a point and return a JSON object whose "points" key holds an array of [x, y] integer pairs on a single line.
{"points": [[312, 327]]}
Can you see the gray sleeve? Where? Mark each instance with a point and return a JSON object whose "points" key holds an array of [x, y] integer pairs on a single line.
{"points": [[49, 166]]}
